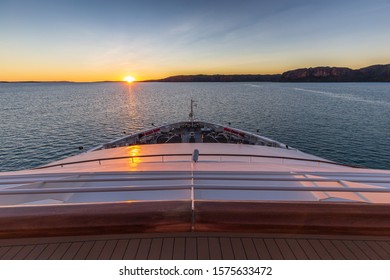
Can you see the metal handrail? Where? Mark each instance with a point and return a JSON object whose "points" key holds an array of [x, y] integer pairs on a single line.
{"points": [[173, 155], [189, 186], [195, 177], [111, 158]]}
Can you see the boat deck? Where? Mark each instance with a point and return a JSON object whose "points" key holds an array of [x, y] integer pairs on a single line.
{"points": [[195, 201], [203, 246], [192, 132]]}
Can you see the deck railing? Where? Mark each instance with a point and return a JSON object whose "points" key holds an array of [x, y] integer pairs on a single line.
{"points": [[196, 187], [201, 155]]}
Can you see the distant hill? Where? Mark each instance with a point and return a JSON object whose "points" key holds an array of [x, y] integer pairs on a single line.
{"points": [[374, 73], [220, 78]]}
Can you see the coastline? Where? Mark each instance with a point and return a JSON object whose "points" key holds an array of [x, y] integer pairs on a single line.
{"points": [[369, 74]]}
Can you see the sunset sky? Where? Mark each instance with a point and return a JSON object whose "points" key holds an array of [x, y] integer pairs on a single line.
{"points": [[80, 40]]}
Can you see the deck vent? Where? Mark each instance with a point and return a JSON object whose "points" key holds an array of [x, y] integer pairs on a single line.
{"points": [[195, 155]]}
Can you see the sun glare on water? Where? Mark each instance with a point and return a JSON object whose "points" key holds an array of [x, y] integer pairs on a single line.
{"points": [[129, 79]]}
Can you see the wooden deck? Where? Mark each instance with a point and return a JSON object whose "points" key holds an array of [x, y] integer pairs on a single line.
{"points": [[204, 246]]}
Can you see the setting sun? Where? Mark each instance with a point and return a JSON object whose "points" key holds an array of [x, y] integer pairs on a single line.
{"points": [[129, 79]]}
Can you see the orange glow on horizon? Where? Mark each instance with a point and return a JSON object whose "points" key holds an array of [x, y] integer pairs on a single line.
{"points": [[129, 79], [18, 71]]}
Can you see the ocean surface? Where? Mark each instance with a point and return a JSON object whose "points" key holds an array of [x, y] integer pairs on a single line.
{"points": [[344, 122]]}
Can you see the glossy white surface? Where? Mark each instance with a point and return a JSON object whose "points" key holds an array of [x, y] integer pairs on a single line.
{"points": [[233, 173]]}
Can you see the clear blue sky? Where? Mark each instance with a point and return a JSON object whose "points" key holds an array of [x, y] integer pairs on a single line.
{"points": [[106, 40]]}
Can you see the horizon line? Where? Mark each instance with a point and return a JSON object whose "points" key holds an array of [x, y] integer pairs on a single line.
{"points": [[175, 75]]}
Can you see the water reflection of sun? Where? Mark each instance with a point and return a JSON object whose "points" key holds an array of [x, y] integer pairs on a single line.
{"points": [[134, 151], [129, 79]]}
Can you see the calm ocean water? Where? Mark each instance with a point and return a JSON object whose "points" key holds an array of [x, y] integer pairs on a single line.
{"points": [[344, 122]]}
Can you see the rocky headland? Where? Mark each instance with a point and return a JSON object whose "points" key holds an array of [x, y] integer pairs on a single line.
{"points": [[374, 73]]}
